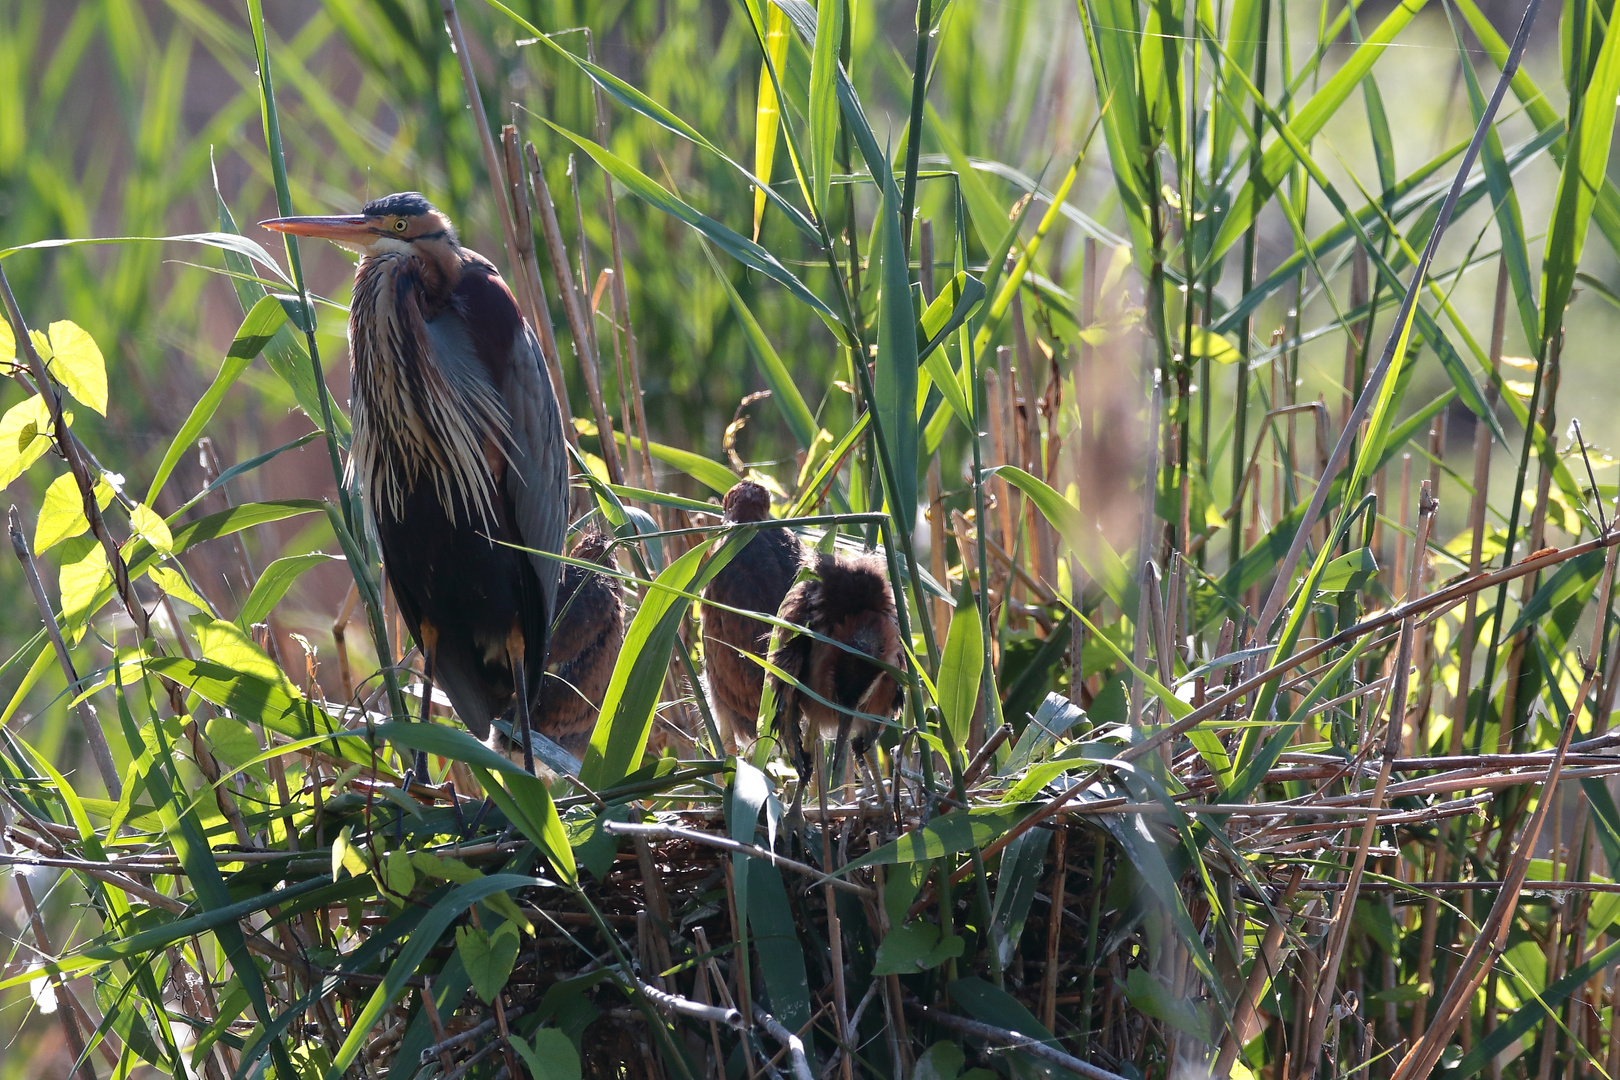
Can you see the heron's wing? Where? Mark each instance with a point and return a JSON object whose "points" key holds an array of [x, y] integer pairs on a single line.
{"points": [[539, 490], [537, 475]]}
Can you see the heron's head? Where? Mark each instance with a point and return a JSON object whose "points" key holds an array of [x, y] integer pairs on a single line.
{"points": [[402, 223], [747, 501]]}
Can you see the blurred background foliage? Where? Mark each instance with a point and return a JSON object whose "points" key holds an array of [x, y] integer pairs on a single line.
{"points": [[118, 118]]}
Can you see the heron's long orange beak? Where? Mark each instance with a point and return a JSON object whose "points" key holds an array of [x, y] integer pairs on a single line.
{"points": [[342, 228]]}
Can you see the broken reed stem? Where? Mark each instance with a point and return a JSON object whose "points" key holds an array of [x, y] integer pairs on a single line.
{"points": [[577, 326], [616, 285], [486, 143], [528, 266]]}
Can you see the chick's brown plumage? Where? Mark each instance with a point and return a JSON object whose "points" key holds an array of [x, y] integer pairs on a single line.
{"points": [[850, 601], [756, 579], [584, 647]]}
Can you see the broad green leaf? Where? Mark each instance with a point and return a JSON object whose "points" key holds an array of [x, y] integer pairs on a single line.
{"points": [[552, 1056], [274, 582], [228, 645], [1082, 537], [77, 363], [1576, 577], [399, 872], [1505, 200], [1153, 998], [768, 113], [949, 834], [25, 434], [988, 1004], [83, 575], [488, 958], [1209, 345], [416, 949], [894, 376], [170, 581], [638, 675], [61, 512], [824, 100], [1521, 1022], [704, 470], [1112, 31], [524, 798], [1306, 124], [914, 948], [232, 741], [795, 412], [961, 667], [1583, 176], [951, 308], [736, 245], [151, 528], [1350, 571], [776, 940], [437, 866], [259, 327], [1172, 704]]}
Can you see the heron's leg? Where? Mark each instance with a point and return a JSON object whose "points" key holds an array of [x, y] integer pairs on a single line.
{"points": [[430, 651], [520, 686]]}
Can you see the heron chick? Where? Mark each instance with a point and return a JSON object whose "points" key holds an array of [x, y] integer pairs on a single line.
{"points": [[585, 645], [756, 579], [459, 447], [848, 599]]}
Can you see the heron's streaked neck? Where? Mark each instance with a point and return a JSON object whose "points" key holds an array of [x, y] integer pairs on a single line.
{"points": [[437, 263]]}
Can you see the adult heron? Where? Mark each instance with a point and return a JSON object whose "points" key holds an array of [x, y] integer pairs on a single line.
{"points": [[458, 444]]}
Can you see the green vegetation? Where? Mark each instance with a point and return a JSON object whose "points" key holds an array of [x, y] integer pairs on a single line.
{"points": [[1203, 373]]}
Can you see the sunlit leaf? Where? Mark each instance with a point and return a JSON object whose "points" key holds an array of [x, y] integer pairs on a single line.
{"points": [[25, 434], [77, 363], [61, 512]]}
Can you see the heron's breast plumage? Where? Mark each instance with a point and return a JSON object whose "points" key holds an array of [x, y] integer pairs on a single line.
{"points": [[424, 408]]}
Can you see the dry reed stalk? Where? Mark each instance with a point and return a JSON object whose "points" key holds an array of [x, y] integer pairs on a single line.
{"points": [[1491, 941], [1439, 600], [1246, 1019], [486, 143], [616, 286], [1405, 519], [1333, 949], [1468, 630], [835, 937], [1058, 891], [578, 328]]}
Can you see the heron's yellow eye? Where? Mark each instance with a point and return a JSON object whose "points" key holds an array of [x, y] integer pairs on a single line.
{"points": [[399, 224]]}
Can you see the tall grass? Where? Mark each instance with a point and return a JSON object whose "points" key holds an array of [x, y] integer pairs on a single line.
{"points": [[1201, 373]]}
